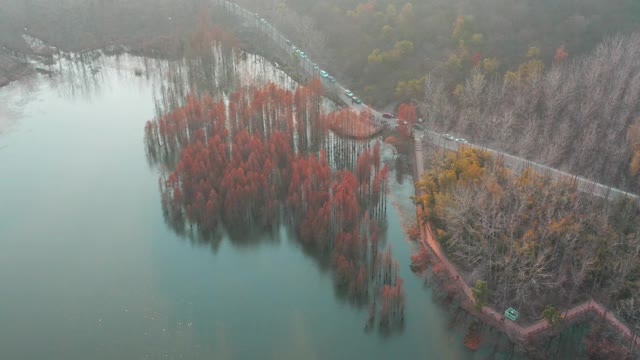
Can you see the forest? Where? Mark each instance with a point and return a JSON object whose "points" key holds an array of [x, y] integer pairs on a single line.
{"points": [[535, 241], [580, 115], [555, 89], [263, 156], [385, 47]]}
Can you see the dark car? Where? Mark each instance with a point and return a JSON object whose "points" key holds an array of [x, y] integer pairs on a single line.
{"points": [[388, 115]]}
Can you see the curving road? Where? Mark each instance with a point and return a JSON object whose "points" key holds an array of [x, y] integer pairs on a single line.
{"points": [[253, 20]]}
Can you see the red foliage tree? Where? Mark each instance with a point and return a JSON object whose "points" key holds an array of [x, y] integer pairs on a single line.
{"points": [[407, 118], [263, 157]]}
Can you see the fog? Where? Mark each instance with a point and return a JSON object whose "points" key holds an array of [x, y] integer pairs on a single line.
{"points": [[482, 87]]}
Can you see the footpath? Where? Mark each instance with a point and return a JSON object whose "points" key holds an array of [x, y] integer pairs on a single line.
{"points": [[496, 318]]}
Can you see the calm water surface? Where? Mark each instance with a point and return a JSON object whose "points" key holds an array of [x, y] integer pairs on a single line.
{"points": [[90, 270]]}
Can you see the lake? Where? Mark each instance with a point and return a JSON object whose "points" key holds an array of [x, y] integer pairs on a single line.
{"points": [[90, 270]]}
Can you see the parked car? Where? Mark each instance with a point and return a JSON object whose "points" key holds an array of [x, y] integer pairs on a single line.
{"points": [[348, 93], [288, 41], [315, 67], [263, 21], [388, 115], [462, 140], [332, 79], [448, 137], [324, 74], [356, 100], [302, 54]]}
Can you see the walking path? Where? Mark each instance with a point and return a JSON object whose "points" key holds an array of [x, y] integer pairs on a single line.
{"points": [[496, 318]]}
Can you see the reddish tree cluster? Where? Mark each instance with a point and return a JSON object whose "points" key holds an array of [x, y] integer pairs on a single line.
{"points": [[561, 55], [347, 122], [473, 338], [476, 58], [208, 34], [392, 308], [391, 291], [261, 158], [407, 118], [420, 260], [309, 119]]}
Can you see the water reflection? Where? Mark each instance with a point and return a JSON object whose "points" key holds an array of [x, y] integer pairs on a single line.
{"points": [[102, 277], [259, 158]]}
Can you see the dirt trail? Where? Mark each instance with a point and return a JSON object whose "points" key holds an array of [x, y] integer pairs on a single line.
{"points": [[497, 319]]}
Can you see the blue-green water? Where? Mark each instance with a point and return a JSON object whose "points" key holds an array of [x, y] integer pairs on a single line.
{"points": [[90, 270]]}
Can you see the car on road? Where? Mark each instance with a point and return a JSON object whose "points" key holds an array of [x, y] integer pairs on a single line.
{"points": [[448, 137], [348, 93], [462, 140], [356, 100], [332, 79], [388, 115], [263, 21], [316, 67], [288, 41], [300, 53], [324, 74]]}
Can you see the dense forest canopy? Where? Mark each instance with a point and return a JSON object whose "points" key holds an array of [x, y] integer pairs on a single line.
{"points": [[379, 45], [580, 115], [534, 240]]}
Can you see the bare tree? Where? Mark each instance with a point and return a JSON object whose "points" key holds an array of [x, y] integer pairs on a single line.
{"points": [[575, 116]]}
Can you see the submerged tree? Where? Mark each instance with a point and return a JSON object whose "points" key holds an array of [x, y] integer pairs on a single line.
{"points": [[260, 159]]}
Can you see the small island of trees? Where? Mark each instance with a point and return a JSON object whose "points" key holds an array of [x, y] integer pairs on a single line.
{"points": [[262, 157]]}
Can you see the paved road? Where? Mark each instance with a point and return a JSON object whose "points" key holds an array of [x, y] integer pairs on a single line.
{"points": [[251, 19], [518, 164], [306, 65]]}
